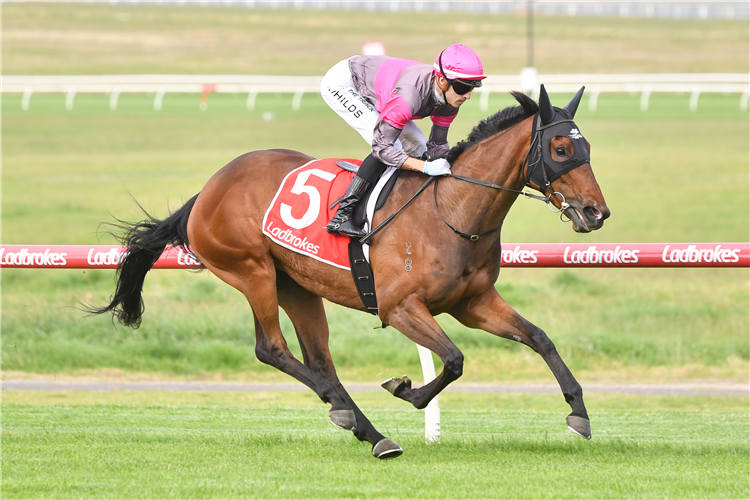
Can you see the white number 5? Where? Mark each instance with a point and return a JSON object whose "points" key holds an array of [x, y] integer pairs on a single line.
{"points": [[314, 208]]}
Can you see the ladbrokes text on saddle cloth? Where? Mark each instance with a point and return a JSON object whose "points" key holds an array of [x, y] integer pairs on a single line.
{"points": [[298, 214]]}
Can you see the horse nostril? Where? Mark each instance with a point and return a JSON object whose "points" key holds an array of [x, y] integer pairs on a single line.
{"points": [[592, 213]]}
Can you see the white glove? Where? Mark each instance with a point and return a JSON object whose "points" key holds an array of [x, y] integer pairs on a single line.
{"points": [[437, 167]]}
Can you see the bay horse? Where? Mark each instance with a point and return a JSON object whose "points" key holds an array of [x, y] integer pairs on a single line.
{"points": [[449, 274]]}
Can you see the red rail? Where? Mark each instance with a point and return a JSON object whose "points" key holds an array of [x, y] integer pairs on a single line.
{"points": [[514, 255]]}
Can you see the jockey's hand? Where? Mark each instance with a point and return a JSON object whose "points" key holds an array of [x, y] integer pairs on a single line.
{"points": [[437, 167]]}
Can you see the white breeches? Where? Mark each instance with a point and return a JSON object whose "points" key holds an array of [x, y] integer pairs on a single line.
{"points": [[337, 90]]}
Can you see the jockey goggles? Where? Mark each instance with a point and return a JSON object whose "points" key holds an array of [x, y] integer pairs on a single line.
{"points": [[460, 86], [464, 86]]}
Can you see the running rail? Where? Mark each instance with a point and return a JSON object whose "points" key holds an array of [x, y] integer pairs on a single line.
{"points": [[513, 255]]}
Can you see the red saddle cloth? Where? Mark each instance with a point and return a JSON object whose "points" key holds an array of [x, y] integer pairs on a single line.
{"points": [[299, 212]]}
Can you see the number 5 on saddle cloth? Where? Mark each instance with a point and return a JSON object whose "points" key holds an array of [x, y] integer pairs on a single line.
{"points": [[307, 200]]}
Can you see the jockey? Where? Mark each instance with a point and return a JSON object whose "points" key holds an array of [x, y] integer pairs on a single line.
{"points": [[380, 96]]}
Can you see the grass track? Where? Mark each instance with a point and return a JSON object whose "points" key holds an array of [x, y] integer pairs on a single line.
{"points": [[263, 445], [65, 172], [115, 39]]}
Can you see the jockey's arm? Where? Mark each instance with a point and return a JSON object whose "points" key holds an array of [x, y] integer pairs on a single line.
{"points": [[413, 164]]}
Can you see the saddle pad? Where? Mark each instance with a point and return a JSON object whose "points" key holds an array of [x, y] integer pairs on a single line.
{"points": [[298, 214]]}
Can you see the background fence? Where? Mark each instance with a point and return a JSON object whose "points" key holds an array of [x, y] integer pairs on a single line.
{"points": [[159, 85], [700, 9]]}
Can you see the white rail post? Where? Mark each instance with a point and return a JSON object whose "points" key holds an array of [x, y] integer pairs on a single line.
{"points": [[644, 98], [432, 412], [158, 98], [69, 98], [251, 100], [26, 98], [594, 99], [693, 106], [113, 99], [484, 98], [297, 99], [744, 98]]}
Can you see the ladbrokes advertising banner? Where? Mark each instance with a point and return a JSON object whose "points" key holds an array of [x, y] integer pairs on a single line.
{"points": [[514, 255], [86, 257], [627, 255]]}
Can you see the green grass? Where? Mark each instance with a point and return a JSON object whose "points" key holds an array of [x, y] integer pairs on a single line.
{"points": [[116, 39], [65, 172], [263, 445], [667, 174]]}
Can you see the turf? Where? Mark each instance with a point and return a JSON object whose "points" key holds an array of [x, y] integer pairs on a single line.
{"points": [[117, 39], [668, 175], [65, 172], [260, 445]]}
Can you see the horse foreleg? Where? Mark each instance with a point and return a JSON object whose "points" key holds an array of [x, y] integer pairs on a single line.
{"points": [[412, 318], [489, 312], [308, 316]]}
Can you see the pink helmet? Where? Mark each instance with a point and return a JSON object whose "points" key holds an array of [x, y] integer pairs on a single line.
{"points": [[459, 62]]}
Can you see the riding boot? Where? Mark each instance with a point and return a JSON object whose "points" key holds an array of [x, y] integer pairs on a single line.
{"points": [[342, 222]]}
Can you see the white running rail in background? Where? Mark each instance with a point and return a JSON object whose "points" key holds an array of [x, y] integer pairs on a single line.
{"points": [[159, 85]]}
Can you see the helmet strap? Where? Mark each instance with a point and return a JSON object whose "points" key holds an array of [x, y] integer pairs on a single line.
{"points": [[444, 90]]}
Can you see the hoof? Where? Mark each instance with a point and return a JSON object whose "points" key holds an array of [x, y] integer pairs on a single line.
{"points": [[580, 426], [386, 449], [396, 385], [344, 419]]}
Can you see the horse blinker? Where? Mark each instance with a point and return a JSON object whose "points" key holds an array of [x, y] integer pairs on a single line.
{"points": [[542, 168]]}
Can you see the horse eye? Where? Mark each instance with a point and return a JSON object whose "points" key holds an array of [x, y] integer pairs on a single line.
{"points": [[560, 152]]}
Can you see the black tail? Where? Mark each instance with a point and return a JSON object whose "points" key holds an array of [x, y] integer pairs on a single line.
{"points": [[145, 242]]}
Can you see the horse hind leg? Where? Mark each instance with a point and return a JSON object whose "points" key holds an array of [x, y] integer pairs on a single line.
{"points": [[308, 316], [256, 279]]}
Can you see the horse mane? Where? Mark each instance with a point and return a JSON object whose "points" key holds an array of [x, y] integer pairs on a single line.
{"points": [[503, 119]]}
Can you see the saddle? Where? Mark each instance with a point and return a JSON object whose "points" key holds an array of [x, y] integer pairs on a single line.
{"points": [[359, 210]]}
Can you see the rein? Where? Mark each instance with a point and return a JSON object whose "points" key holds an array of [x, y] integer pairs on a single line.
{"points": [[535, 139], [475, 237], [365, 240]]}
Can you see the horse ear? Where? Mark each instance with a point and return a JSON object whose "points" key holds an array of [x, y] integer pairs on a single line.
{"points": [[546, 112], [572, 106]]}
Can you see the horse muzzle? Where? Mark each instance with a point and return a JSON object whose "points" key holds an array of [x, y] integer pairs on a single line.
{"points": [[586, 218]]}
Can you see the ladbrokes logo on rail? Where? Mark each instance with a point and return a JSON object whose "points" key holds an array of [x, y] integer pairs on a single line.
{"points": [[593, 256], [694, 255], [25, 258], [519, 256], [188, 259], [111, 258]]}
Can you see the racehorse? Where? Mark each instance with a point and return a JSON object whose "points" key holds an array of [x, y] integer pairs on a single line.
{"points": [[520, 145]]}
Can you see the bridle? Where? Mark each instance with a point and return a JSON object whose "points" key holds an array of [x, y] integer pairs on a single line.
{"points": [[535, 141], [525, 165]]}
